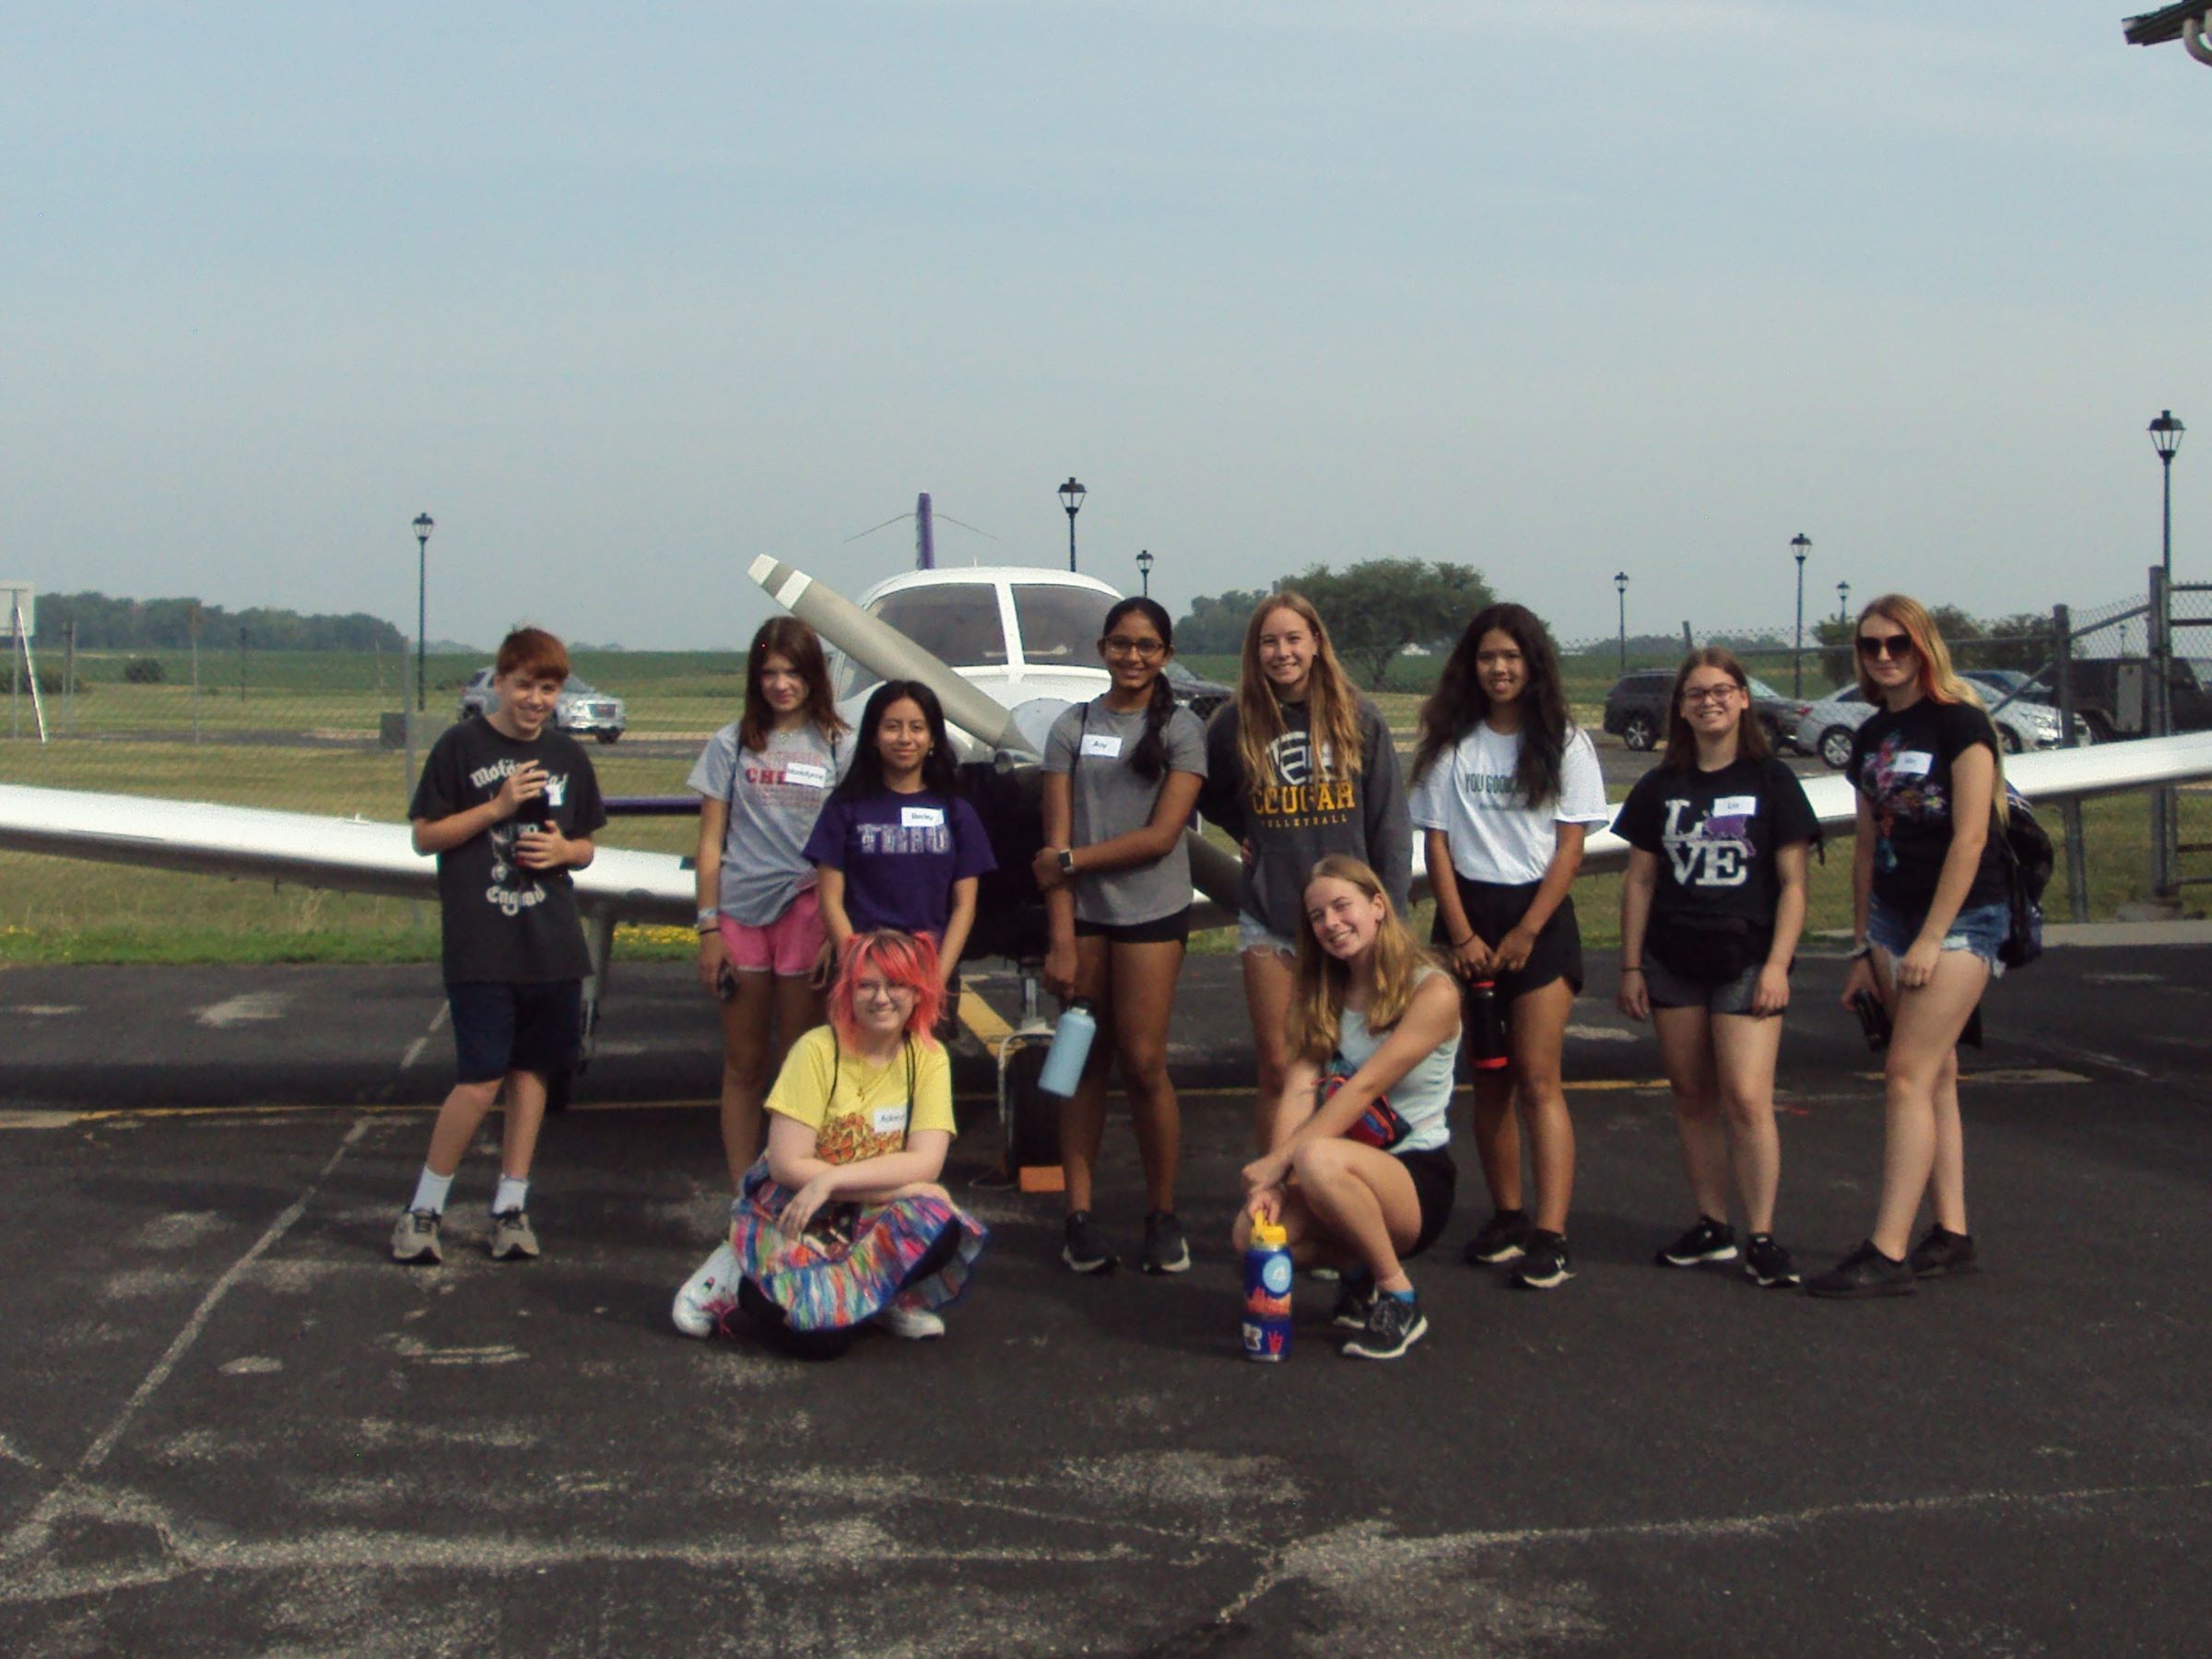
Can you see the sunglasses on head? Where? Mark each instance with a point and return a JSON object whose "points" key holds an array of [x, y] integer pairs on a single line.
{"points": [[1897, 645]]}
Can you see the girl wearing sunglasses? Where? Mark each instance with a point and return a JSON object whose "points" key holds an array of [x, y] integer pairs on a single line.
{"points": [[1929, 908]]}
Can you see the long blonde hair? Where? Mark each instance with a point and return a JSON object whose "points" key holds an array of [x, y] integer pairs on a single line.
{"points": [[1939, 682], [1332, 700], [1316, 1019]]}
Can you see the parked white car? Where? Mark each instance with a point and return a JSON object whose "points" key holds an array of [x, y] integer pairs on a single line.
{"points": [[582, 708], [1826, 728]]}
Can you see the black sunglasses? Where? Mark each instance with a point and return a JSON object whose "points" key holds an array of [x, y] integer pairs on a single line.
{"points": [[1897, 646]]}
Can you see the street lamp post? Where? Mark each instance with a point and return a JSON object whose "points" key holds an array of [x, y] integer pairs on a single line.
{"points": [[424, 525], [2165, 437], [1843, 603], [1144, 571], [1071, 498], [1800, 544], [1620, 589]]}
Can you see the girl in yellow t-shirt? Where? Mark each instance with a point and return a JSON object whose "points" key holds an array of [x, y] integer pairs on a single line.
{"points": [[842, 1220]]}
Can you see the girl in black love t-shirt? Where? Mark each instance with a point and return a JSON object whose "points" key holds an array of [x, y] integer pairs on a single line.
{"points": [[1710, 915], [1927, 879]]}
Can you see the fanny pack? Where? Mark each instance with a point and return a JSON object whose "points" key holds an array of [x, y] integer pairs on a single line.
{"points": [[1707, 951], [1379, 1126]]}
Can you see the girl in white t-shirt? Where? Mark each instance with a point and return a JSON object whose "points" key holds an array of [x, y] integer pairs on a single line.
{"points": [[1506, 787], [761, 783]]}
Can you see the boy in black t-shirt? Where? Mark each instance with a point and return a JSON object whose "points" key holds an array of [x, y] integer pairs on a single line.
{"points": [[508, 804]]}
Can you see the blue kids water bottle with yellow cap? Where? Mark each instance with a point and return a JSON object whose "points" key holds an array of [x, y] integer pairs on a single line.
{"points": [[1268, 1274]]}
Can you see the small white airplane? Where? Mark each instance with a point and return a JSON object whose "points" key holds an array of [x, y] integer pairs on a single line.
{"points": [[1006, 648]]}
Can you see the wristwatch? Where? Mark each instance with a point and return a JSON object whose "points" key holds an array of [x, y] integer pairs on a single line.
{"points": [[1067, 861]]}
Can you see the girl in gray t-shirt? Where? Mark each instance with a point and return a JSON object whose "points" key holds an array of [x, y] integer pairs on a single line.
{"points": [[1120, 778], [761, 781]]}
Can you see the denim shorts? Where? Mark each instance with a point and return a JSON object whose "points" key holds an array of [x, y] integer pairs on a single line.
{"points": [[1980, 929], [1253, 934]]}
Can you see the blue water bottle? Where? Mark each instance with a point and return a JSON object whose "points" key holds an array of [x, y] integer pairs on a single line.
{"points": [[1267, 1279], [1071, 1046]]}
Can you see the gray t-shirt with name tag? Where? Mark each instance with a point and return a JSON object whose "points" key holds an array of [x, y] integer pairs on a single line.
{"points": [[774, 795], [1092, 745]]}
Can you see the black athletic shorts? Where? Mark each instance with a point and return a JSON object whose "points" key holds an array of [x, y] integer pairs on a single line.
{"points": [[1435, 1184], [1173, 929], [501, 1028], [1493, 909]]}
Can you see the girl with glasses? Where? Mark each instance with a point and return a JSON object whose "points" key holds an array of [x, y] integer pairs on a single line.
{"points": [[1122, 774], [1300, 767], [1930, 910], [841, 1222], [1506, 787], [1711, 912], [761, 781]]}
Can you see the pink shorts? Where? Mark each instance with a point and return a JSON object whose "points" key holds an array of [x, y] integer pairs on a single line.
{"points": [[788, 945]]}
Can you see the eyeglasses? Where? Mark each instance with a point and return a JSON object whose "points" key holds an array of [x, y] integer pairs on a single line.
{"points": [[1122, 645], [869, 990], [1709, 694], [1896, 646]]}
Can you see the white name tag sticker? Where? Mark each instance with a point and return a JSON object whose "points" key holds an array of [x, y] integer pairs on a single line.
{"points": [[807, 775], [1105, 746], [1736, 806], [1913, 763], [888, 1119], [921, 818]]}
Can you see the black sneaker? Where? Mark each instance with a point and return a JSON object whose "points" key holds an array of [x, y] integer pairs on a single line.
{"points": [[1865, 1272], [1355, 1301], [1767, 1263], [1545, 1264], [1942, 1254], [1085, 1248], [1393, 1324], [1503, 1238], [1709, 1240], [1166, 1250]]}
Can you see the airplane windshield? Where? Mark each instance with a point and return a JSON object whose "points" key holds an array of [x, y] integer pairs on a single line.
{"points": [[1060, 626], [957, 624]]}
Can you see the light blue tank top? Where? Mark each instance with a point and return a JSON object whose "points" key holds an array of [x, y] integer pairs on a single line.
{"points": [[1423, 1096]]}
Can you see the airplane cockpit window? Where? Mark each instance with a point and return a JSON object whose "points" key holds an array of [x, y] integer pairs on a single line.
{"points": [[1060, 626], [957, 624]]}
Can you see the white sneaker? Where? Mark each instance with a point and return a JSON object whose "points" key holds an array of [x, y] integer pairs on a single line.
{"points": [[708, 1294], [916, 1325]]}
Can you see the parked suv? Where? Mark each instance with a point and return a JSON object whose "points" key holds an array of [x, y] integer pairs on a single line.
{"points": [[1635, 709], [1195, 691], [582, 708]]}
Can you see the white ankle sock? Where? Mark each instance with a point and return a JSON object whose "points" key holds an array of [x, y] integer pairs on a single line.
{"points": [[430, 1190], [513, 1196]]}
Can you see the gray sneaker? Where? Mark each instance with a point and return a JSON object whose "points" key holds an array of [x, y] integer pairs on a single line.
{"points": [[512, 1238], [414, 1238]]}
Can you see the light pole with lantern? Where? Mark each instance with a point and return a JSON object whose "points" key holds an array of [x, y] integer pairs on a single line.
{"points": [[1800, 544], [424, 525], [2165, 438], [1843, 603], [1144, 572], [1071, 498], [1620, 590]]}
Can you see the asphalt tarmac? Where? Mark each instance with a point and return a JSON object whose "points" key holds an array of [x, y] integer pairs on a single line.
{"points": [[228, 1424]]}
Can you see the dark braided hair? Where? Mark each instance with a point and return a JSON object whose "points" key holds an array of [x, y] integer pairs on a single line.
{"points": [[1149, 759]]}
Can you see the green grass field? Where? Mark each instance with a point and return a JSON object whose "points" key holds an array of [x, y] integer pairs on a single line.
{"points": [[62, 910]]}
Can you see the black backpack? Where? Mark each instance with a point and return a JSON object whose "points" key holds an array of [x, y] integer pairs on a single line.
{"points": [[2029, 858]]}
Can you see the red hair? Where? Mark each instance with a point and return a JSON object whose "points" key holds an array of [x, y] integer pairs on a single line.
{"points": [[908, 959], [533, 652]]}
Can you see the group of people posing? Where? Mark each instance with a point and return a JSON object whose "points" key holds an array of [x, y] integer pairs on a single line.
{"points": [[838, 872]]}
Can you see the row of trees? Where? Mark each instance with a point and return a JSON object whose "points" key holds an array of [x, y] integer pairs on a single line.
{"points": [[112, 624], [1375, 609]]}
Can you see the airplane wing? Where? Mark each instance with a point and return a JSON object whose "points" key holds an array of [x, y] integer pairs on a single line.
{"points": [[346, 855]]}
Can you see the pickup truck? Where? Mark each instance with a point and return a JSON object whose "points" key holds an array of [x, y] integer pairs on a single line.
{"points": [[2112, 695]]}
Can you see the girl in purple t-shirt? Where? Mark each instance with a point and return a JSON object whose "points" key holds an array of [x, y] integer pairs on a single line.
{"points": [[896, 846]]}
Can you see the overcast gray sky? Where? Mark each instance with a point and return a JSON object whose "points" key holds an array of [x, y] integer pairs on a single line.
{"points": [[624, 296]]}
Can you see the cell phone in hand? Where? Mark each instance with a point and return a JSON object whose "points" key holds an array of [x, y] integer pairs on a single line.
{"points": [[1874, 1019], [725, 982]]}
